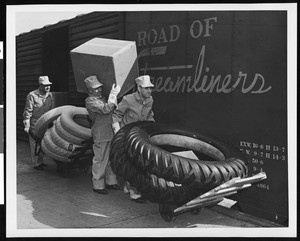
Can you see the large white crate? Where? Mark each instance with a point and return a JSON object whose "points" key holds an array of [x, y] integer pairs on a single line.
{"points": [[112, 61]]}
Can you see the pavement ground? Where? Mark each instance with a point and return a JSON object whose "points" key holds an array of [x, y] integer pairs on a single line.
{"points": [[49, 201]]}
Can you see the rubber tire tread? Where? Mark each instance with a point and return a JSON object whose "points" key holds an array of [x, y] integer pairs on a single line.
{"points": [[54, 148], [83, 121], [64, 134], [47, 118], [48, 150], [157, 189], [179, 169], [60, 142], [152, 188], [68, 123], [61, 154]]}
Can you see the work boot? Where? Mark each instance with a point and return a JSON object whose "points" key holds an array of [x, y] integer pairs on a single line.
{"points": [[39, 167], [139, 200], [114, 187], [100, 191], [125, 189]]}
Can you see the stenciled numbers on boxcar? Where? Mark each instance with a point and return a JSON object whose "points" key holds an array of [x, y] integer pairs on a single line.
{"points": [[258, 154]]}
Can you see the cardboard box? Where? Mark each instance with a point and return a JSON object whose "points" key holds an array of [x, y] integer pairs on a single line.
{"points": [[112, 61]]}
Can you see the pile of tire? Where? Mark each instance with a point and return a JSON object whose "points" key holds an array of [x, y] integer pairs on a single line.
{"points": [[143, 154], [64, 133]]}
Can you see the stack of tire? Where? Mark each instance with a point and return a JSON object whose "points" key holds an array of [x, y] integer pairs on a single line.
{"points": [[143, 154], [64, 133]]}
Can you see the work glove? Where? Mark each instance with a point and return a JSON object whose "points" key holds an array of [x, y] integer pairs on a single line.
{"points": [[115, 90], [26, 125], [116, 127]]}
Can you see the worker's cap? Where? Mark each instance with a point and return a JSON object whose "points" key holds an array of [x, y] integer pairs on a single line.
{"points": [[92, 82], [44, 80], [144, 81]]}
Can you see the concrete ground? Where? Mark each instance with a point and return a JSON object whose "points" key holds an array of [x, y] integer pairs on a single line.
{"points": [[46, 200]]}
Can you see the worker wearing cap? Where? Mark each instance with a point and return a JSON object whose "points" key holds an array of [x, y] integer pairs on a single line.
{"points": [[37, 103], [135, 107], [100, 112]]}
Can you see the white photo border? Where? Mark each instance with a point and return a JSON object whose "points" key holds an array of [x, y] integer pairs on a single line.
{"points": [[11, 202]]}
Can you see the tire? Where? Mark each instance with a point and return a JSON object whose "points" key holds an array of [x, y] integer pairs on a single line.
{"points": [[64, 134], [54, 148], [155, 189], [151, 187], [47, 118], [83, 121], [167, 213], [58, 141], [140, 169], [196, 211], [206, 174], [68, 123], [61, 154], [52, 154]]}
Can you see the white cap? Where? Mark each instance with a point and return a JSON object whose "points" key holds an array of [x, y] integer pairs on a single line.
{"points": [[92, 82], [144, 81], [44, 80]]}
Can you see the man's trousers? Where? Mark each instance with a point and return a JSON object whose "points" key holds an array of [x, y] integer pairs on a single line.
{"points": [[101, 169], [36, 160]]}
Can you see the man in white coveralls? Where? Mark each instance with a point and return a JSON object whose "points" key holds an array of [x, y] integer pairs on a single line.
{"points": [[38, 102], [135, 107], [100, 112]]}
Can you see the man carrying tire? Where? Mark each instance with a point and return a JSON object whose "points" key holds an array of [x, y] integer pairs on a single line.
{"points": [[100, 113], [135, 107], [37, 103]]}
